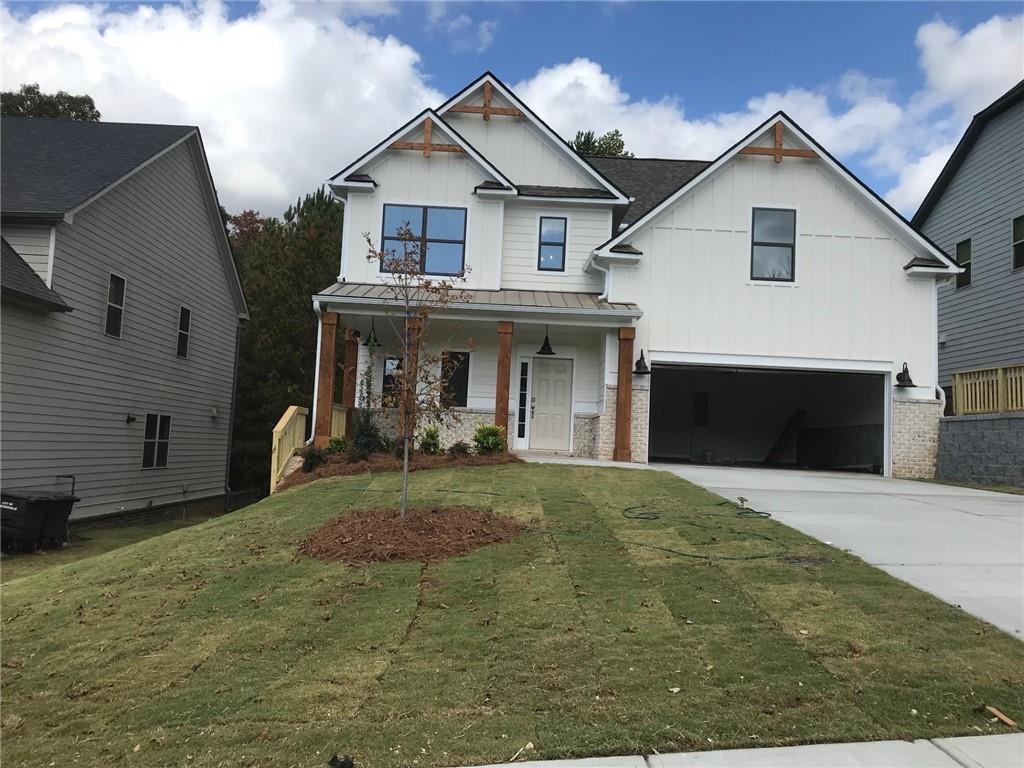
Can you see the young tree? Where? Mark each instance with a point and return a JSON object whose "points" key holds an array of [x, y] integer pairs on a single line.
{"points": [[610, 144], [28, 101], [421, 379]]}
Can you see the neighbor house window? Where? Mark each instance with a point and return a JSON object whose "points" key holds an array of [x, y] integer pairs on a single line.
{"points": [[184, 329], [963, 258], [1018, 242], [391, 388], [115, 306], [436, 237], [157, 442], [773, 245], [551, 249], [455, 378]]}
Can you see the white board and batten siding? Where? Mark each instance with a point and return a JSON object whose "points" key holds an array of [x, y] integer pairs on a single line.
{"points": [[983, 324], [851, 299], [68, 388], [586, 229], [33, 243]]}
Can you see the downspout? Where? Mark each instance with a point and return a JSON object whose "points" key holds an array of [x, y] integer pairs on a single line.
{"points": [[593, 263], [316, 373]]}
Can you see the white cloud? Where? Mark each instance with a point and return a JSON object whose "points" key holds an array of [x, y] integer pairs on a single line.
{"points": [[284, 97], [292, 92]]}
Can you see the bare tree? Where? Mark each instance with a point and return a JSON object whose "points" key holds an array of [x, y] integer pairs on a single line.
{"points": [[420, 382]]}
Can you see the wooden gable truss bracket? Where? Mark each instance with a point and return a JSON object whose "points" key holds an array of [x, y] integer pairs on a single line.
{"points": [[778, 151], [487, 110], [426, 146]]}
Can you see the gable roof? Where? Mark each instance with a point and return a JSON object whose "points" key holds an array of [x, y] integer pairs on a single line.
{"points": [[543, 127], [963, 148], [647, 181], [52, 166], [942, 260], [350, 176], [19, 280]]}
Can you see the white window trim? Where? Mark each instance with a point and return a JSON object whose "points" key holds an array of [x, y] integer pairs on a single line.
{"points": [[469, 374], [465, 206], [536, 243], [188, 333], [107, 305], [795, 282], [156, 442]]}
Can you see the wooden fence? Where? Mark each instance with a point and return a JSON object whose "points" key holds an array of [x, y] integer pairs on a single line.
{"points": [[289, 437], [990, 390]]}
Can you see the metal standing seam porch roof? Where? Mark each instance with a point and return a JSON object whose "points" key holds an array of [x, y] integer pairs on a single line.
{"points": [[590, 305]]}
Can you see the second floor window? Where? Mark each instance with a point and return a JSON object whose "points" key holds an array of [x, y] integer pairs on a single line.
{"points": [[436, 237], [455, 378], [773, 245], [551, 250], [963, 258], [184, 330], [115, 306], [1018, 242]]}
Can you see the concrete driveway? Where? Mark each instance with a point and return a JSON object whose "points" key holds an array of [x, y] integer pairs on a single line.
{"points": [[962, 545]]}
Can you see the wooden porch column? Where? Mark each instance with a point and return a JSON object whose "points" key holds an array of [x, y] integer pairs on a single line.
{"points": [[504, 372], [325, 379], [348, 379], [624, 396]]}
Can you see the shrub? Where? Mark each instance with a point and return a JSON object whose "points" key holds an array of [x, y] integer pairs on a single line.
{"points": [[367, 437], [313, 458], [430, 442], [338, 445], [489, 438], [458, 448]]}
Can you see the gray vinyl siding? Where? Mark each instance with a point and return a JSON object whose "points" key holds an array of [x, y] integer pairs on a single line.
{"points": [[983, 324], [32, 242], [67, 388]]}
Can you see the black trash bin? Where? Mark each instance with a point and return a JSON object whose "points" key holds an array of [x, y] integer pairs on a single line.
{"points": [[29, 517]]}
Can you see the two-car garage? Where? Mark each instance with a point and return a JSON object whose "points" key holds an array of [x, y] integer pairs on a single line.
{"points": [[817, 419]]}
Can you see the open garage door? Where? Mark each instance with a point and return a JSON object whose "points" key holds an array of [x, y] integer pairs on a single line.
{"points": [[772, 417]]}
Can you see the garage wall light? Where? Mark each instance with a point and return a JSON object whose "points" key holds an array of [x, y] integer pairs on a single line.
{"points": [[641, 368], [903, 378]]}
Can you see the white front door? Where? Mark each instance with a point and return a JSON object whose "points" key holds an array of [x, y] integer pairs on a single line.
{"points": [[551, 406]]}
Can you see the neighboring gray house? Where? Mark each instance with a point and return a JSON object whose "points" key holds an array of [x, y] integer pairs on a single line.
{"points": [[120, 315], [975, 210]]}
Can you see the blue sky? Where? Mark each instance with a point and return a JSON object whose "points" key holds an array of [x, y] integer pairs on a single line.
{"points": [[287, 93]]}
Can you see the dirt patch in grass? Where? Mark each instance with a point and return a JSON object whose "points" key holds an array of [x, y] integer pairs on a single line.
{"points": [[338, 466], [427, 534]]}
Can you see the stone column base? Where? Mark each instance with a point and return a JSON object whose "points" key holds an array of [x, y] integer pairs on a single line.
{"points": [[605, 448], [915, 438]]}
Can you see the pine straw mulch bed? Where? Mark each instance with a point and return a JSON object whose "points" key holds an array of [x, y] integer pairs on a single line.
{"points": [[427, 534], [337, 466]]}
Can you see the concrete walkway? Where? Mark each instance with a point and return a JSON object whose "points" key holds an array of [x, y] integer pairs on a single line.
{"points": [[963, 545], [1003, 751]]}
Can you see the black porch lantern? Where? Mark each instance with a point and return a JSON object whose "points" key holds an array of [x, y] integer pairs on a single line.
{"points": [[545, 348], [903, 377], [371, 342], [641, 366]]}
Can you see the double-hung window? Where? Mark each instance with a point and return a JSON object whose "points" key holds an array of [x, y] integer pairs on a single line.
{"points": [[455, 378], [432, 238], [1018, 242], [551, 248], [157, 441], [963, 258], [773, 245], [115, 306], [184, 330]]}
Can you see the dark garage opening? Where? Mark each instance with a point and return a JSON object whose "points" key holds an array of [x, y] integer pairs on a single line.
{"points": [[768, 417]]}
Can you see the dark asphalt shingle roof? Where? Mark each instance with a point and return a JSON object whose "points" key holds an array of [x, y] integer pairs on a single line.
{"points": [[648, 180], [51, 166], [535, 190], [19, 280]]}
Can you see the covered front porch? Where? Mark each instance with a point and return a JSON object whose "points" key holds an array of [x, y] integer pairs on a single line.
{"points": [[554, 369]]}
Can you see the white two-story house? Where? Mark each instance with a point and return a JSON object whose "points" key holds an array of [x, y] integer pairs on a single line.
{"points": [[760, 308]]}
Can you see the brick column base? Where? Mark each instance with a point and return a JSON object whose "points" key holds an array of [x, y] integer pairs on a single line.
{"points": [[915, 438], [640, 408]]}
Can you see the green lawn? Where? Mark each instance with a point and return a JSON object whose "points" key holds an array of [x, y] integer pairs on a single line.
{"points": [[86, 542], [219, 645]]}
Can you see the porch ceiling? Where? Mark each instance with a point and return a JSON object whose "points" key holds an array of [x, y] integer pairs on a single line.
{"points": [[539, 306]]}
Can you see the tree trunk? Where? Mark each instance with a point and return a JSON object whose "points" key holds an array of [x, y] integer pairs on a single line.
{"points": [[405, 478]]}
